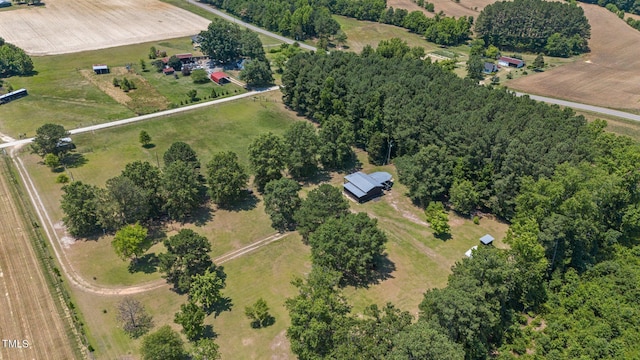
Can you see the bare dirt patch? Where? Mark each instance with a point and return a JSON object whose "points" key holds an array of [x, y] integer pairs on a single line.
{"points": [[65, 26], [28, 309], [607, 76]]}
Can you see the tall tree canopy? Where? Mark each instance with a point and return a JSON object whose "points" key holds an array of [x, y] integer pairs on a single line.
{"points": [[79, 204], [181, 189], [225, 42], [164, 344], [226, 178], [322, 203], [13, 60], [350, 244], [48, 138], [281, 201], [187, 256], [555, 28], [301, 147], [181, 151], [267, 157]]}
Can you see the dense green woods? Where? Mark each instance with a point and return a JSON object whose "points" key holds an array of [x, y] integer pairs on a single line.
{"points": [[566, 288], [631, 6], [13, 60], [555, 28], [312, 18]]}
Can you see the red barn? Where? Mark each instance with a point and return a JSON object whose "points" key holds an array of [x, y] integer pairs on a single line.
{"points": [[220, 78]]}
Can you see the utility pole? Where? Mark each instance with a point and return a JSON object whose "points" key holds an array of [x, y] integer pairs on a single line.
{"points": [[389, 145]]}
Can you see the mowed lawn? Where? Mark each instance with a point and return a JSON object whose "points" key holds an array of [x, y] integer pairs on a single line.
{"points": [[226, 127], [58, 93]]}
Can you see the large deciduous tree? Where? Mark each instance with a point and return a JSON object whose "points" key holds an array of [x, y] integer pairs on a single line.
{"points": [[79, 204], [148, 178], [129, 241], [464, 197], [206, 349], [424, 340], [164, 344], [301, 147], [336, 137], [226, 178], [187, 256], [221, 41], [181, 151], [350, 244], [181, 189], [191, 317], [432, 163], [206, 288], [257, 73], [267, 157], [133, 317], [281, 201], [316, 314], [123, 202], [322, 203], [13, 60], [48, 138]]}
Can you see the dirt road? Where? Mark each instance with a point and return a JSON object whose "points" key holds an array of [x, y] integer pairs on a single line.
{"points": [[27, 309]]}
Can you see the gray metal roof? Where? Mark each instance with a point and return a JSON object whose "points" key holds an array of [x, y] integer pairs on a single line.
{"points": [[354, 190], [487, 239], [381, 177], [362, 181]]}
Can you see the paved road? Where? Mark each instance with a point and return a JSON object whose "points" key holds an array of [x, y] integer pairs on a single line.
{"points": [[579, 106], [247, 25], [148, 116]]}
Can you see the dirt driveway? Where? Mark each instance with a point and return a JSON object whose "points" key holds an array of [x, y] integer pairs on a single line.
{"points": [[28, 310], [67, 26]]}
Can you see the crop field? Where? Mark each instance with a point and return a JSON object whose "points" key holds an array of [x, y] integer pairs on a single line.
{"points": [[29, 312], [449, 7], [607, 76], [64, 26]]}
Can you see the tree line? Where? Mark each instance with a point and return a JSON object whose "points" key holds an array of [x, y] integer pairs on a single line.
{"points": [[631, 6], [13, 60], [569, 189], [312, 18], [537, 26]]}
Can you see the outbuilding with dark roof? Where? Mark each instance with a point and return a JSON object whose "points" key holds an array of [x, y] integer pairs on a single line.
{"points": [[363, 187]]}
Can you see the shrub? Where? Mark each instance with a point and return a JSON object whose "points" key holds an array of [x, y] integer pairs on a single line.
{"points": [[476, 220], [62, 179]]}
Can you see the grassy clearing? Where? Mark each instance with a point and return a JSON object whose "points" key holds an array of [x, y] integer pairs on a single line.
{"points": [[229, 126], [615, 125], [59, 93], [174, 88]]}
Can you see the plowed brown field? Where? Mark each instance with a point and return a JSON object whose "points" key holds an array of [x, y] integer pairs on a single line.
{"points": [[450, 7], [66, 26], [27, 309], [608, 76]]}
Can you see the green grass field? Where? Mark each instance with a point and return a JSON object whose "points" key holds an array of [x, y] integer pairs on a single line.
{"points": [[58, 93]]}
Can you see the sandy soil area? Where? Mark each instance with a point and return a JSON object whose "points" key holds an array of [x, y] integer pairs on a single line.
{"points": [[607, 76], [28, 310], [66, 26]]}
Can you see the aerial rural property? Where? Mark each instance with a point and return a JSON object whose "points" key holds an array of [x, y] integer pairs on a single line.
{"points": [[342, 179]]}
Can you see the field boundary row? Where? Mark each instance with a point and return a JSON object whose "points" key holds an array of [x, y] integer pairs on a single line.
{"points": [[62, 299]]}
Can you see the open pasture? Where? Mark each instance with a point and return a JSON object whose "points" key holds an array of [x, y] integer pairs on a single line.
{"points": [[607, 76], [64, 26]]}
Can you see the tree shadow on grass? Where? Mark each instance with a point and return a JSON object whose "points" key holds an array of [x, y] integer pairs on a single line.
{"points": [[443, 237], [248, 201], [74, 160], [270, 320], [149, 146], [202, 215], [208, 333], [147, 264], [319, 177], [381, 270], [223, 304]]}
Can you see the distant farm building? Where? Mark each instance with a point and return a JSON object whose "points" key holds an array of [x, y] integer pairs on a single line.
{"points": [[168, 71], [487, 239], [5, 3], [184, 58], [489, 68], [13, 96], [363, 187], [220, 78], [100, 69], [513, 62]]}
